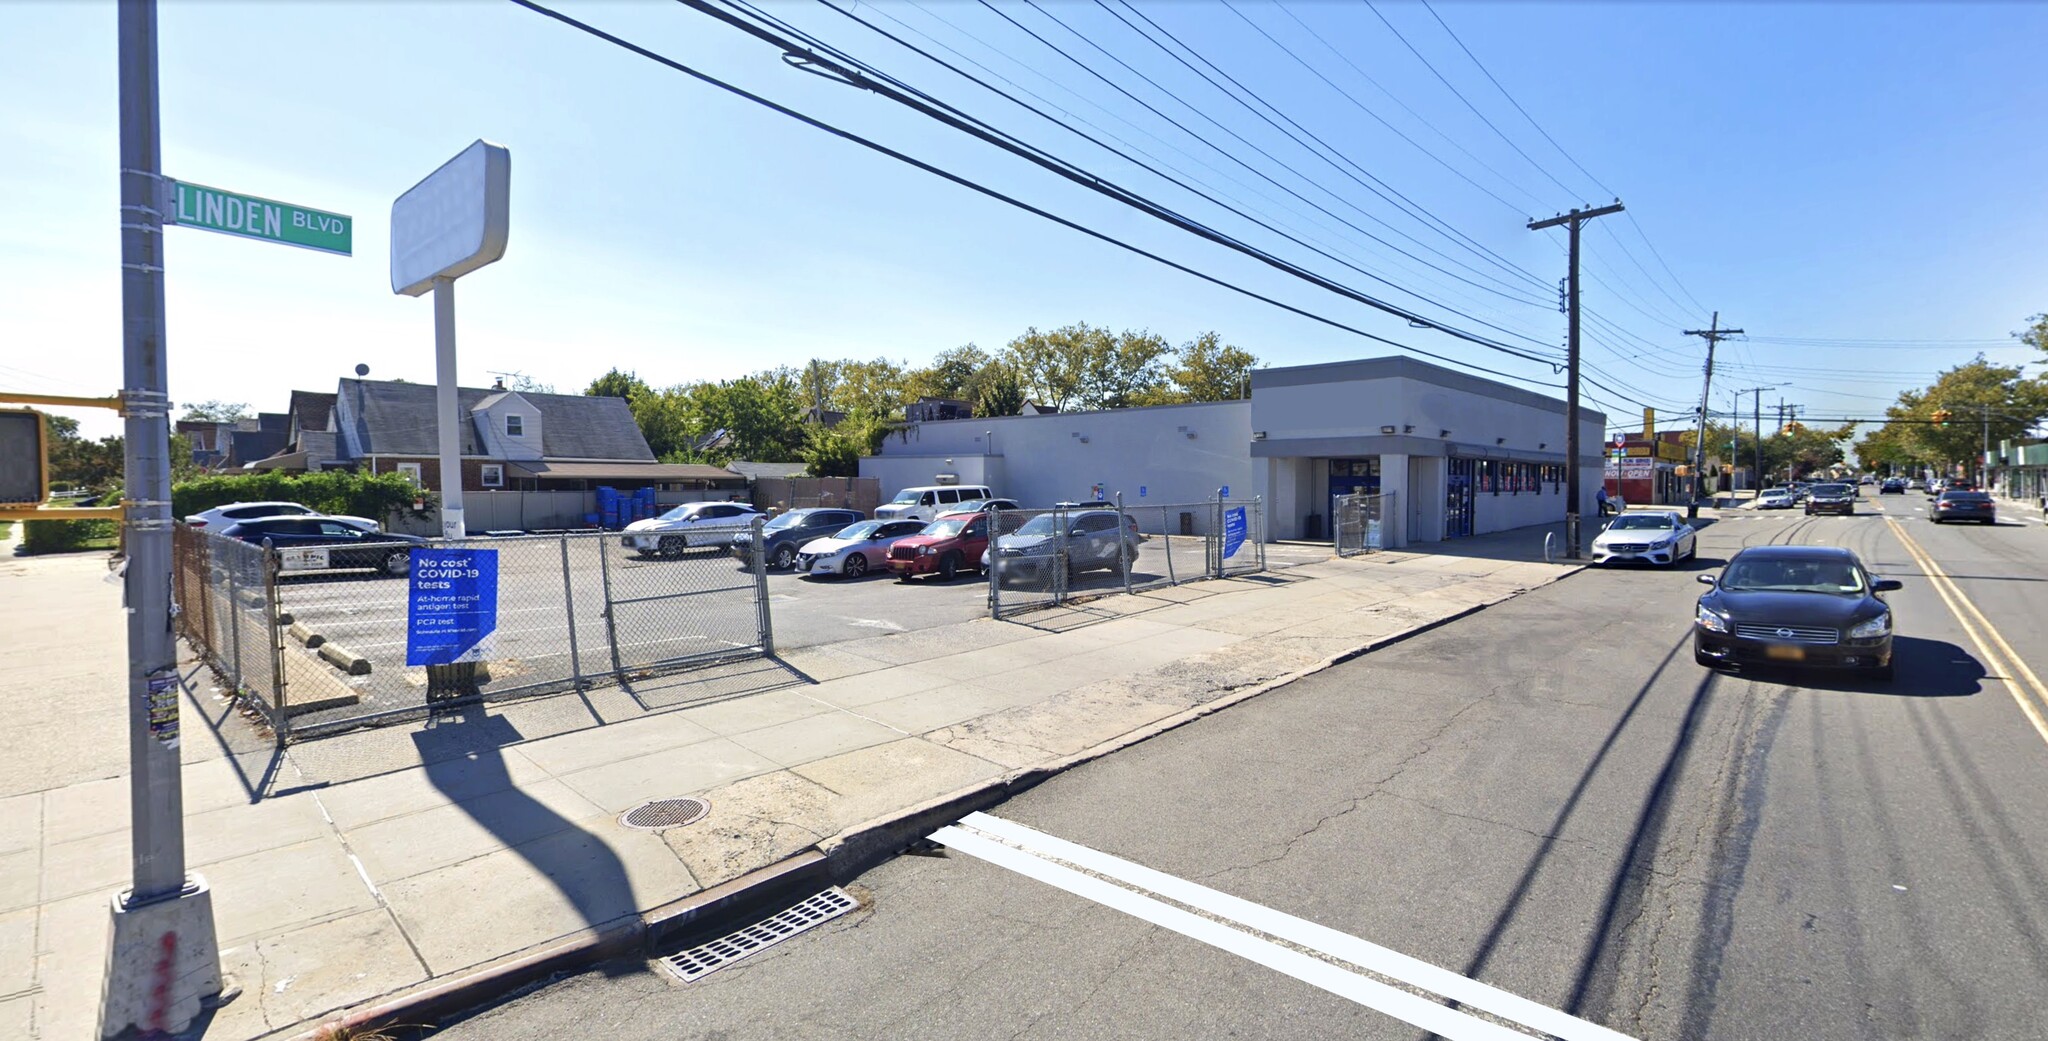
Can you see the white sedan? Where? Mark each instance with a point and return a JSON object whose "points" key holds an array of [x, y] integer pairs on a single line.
{"points": [[222, 516], [1657, 538], [856, 549], [1775, 499], [691, 524]]}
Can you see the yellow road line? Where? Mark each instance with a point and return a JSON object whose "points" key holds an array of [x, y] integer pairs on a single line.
{"points": [[2012, 670]]}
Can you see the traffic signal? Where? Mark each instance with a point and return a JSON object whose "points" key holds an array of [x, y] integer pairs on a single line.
{"points": [[1941, 416], [24, 457]]}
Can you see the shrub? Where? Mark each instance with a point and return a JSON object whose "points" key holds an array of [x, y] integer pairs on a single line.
{"points": [[377, 497], [66, 536]]}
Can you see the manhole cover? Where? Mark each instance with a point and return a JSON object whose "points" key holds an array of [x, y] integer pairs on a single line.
{"points": [[665, 813]]}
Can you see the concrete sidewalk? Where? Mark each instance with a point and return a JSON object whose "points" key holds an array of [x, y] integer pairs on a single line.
{"points": [[358, 868]]}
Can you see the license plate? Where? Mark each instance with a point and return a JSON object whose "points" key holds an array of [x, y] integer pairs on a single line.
{"points": [[1781, 652]]}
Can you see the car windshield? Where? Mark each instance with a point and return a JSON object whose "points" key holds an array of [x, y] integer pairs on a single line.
{"points": [[1838, 577], [686, 510], [907, 495], [945, 528], [1830, 489], [1967, 496], [1641, 522], [787, 520], [862, 530], [1039, 525]]}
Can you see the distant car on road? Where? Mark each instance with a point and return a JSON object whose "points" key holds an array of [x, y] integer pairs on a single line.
{"points": [[1913, 484], [946, 547], [1775, 499], [1959, 505], [785, 535], [1892, 486], [221, 516], [348, 544], [1807, 606], [1030, 554], [856, 549], [1662, 537], [1832, 498], [691, 524]]}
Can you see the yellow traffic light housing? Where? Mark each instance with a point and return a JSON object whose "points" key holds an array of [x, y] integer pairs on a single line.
{"points": [[24, 457]]}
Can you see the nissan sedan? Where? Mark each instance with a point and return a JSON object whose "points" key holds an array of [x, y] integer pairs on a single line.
{"points": [[1800, 606]]}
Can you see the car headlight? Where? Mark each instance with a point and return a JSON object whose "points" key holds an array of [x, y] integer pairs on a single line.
{"points": [[924, 551], [1878, 626], [1711, 620], [1663, 542]]}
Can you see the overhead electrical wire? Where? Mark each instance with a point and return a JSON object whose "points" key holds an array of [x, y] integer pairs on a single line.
{"points": [[992, 193]]}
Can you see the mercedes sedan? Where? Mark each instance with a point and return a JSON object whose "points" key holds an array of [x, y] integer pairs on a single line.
{"points": [[1802, 606], [1653, 538]]}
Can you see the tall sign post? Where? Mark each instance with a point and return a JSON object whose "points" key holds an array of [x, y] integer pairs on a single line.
{"points": [[442, 228]]}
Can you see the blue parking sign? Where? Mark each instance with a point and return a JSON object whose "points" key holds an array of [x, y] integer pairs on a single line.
{"points": [[1141, 491], [1233, 530], [1225, 493], [452, 610]]}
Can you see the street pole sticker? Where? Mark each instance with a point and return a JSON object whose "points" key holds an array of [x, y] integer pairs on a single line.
{"points": [[1233, 530], [452, 612]]}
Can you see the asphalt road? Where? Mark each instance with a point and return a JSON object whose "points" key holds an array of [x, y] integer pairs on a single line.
{"points": [[1548, 796]]}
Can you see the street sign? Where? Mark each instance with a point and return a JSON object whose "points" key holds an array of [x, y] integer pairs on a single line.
{"points": [[231, 213], [1225, 493], [1233, 530], [452, 611], [454, 221], [1141, 491]]}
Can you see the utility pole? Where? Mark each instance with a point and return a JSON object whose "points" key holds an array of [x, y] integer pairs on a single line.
{"points": [[1571, 221], [1756, 417], [163, 963], [1713, 334]]}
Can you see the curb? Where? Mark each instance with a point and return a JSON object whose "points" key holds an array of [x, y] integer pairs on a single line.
{"points": [[836, 860]]}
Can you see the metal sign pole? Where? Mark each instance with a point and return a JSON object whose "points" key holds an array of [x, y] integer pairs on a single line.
{"points": [[452, 523], [163, 959]]}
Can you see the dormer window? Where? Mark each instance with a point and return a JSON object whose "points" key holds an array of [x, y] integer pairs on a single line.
{"points": [[515, 426]]}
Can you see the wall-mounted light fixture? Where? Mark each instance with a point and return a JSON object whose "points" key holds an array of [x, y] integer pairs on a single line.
{"points": [[1408, 428], [1443, 433], [1388, 429], [1084, 440], [1542, 445], [1191, 435], [1257, 435], [1500, 440]]}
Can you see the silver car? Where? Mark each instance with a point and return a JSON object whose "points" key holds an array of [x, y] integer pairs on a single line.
{"points": [[854, 550], [1029, 554], [1653, 538]]}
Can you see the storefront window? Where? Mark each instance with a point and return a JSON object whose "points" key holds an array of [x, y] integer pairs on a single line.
{"points": [[1355, 467]]}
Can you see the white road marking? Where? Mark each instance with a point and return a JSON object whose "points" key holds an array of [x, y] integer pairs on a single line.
{"points": [[1035, 854]]}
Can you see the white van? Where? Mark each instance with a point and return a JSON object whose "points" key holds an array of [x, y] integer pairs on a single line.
{"points": [[928, 502]]}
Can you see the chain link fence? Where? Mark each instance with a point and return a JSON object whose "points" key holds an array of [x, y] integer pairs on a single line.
{"points": [[326, 637], [1362, 522], [1044, 558]]}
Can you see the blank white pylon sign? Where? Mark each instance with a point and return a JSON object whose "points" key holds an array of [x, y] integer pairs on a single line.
{"points": [[442, 228]]}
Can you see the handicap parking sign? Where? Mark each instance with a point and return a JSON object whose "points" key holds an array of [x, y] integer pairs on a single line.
{"points": [[1141, 491]]}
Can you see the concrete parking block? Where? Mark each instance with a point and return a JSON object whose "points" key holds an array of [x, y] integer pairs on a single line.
{"points": [[759, 711], [492, 905], [618, 787], [887, 777], [305, 973], [816, 738], [21, 822], [569, 753], [400, 847], [267, 893]]}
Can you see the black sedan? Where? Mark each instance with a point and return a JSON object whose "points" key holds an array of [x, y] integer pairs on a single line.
{"points": [[1832, 498], [1809, 606], [316, 543], [1959, 506]]}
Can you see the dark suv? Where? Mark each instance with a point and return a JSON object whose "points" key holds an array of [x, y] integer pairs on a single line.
{"points": [[784, 536], [345, 544], [1831, 498]]}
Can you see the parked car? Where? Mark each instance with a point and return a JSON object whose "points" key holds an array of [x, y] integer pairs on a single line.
{"points": [[222, 516], [979, 505], [930, 502], [1960, 505], [1892, 486], [1832, 498], [348, 543], [855, 549], [1775, 499], [1656, 538], [1800, 490], [691, 524], [1029, 554], [946, 547], [1913, 484], [785, 535], [1812, 606], [1086, 504]]}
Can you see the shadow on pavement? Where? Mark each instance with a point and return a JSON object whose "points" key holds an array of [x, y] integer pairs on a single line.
{"points": [[464, 753], [1921, 669]]}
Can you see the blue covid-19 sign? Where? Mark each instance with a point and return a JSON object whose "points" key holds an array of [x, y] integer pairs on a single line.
{"points": [[452, 611], [1233, 530]]}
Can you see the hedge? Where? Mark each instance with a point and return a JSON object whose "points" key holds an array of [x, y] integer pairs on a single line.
{"points": [[377, 497], [65, 536]]}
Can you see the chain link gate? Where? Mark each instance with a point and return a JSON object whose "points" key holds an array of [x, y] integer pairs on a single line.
{"points": [[1362, 522], [1045, 558]]}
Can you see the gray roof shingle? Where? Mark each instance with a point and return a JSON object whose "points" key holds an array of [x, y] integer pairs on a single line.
{"points": [[398, 419]]}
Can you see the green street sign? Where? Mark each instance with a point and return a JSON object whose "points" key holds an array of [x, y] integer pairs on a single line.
{"points": [[197, 206]]}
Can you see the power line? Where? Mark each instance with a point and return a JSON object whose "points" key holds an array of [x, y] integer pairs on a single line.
{"points": [[992, 193], [1481, 66]]}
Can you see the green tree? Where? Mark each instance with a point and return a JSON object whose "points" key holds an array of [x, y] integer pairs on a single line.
{"points": [[1123, 370], [1052, 368], [1984, 402], [957, 373], [833, 452], [1001, 393], [214, 410], [873, 387], [1206, 369], [616, 384]]}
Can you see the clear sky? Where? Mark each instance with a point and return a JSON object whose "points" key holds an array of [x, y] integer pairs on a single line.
{"points": [[1842, 172]]}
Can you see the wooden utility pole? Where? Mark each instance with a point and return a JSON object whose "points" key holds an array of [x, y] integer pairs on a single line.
{"points": [[1571, 222], [1713, 334]]}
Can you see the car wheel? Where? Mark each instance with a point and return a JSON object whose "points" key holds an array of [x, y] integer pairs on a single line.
{"points": [[398, 563], [856, 566], [673, 545], [949, 567], [785, 558]]}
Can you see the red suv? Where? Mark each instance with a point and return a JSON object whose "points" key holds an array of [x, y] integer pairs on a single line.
{"points": [[946, 547]]}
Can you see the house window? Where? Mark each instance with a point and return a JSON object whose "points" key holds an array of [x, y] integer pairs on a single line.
{"points": [[493, 475], [515, 426], [412, 473]]}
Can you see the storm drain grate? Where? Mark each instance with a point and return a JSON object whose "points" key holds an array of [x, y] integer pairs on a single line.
{"points": [[702, 960], [657, 814]]}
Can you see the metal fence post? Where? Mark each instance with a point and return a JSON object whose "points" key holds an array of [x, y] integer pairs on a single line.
{"points": [[995, 563], [611, 621], [1216, 539], [1058, 585], [569, 603], [759, 561], [1259, 511], [1123, 545], [281, 723], [235, 623]]}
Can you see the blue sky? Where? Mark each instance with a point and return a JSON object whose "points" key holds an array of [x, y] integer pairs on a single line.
{"points": [[1828, 172]]}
